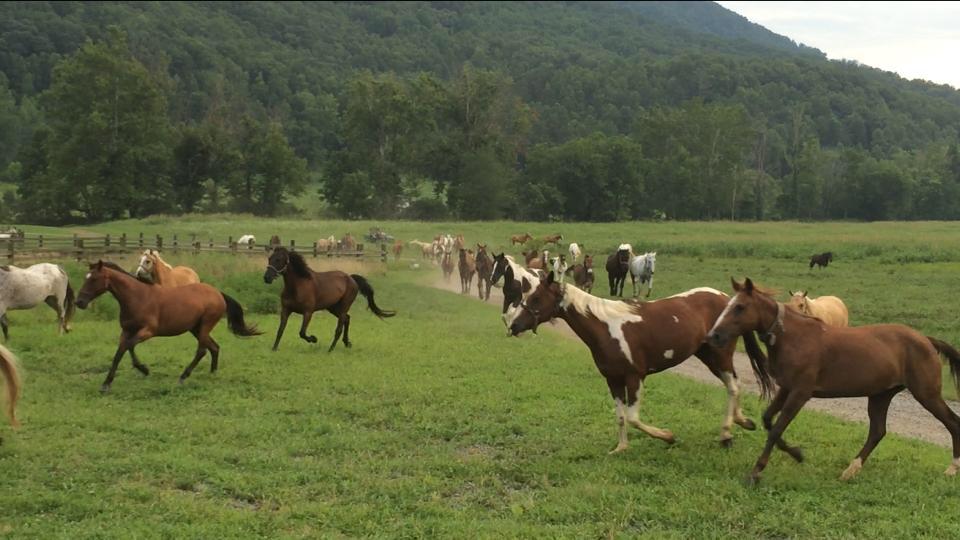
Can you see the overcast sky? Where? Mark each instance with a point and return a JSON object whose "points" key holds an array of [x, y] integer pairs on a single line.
{"points": [[918, 40]]}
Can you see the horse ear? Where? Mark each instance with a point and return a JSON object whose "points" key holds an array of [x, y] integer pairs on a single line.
{"points": [[100, 264], [789, 291], [805, 294], [748, 285], [736, 286], [550, 279]]}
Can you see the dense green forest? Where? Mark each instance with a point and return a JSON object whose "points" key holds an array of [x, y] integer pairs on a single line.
{"points": [[427, 110]]}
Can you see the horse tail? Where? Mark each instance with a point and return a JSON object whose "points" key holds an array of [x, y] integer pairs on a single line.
{"points": [[953, 357], [760, 365], [69, 306], [367, 291], [235, 319], [8, 366]]}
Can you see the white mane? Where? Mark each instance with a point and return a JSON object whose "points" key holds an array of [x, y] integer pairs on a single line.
{"points": [[699, 290], [601, 308]]}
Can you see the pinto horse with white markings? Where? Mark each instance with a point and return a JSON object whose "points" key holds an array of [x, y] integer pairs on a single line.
{"points": [[809, 358], [631, 341], [517, 283]]}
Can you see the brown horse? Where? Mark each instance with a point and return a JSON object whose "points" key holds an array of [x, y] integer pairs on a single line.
{"points": [[552, 239], [397, 249], [583, 274], [631, 341], [821, 260], [535, 260], [147, 311], [484, 272], [459, 243], [275, 241], [347, 243], [8, 368], [467, 266], [520, 239], [446, 265], [154, 269], [306, 291], [809, 358], [618, 265]]}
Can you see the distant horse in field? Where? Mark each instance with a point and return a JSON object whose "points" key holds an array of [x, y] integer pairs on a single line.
{"points": [[618, 265], [536, 260], [828, 309], [306, 291], [575, 251], [275, 241], [467, 267], [147, 311], [325, 245], [552, 239], [520, 239], [559, 265], [821, 260], [641, 269], [24, 288], [154, 269], [446, 265], [631, 341], [484, 272], [347, 243], [809, 358], [517, 283], [397, 249], [11, 376], [247, 240], [583, 274]]}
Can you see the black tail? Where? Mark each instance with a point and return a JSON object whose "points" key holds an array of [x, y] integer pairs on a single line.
{"points": [[70, 307], [235, 319], [760, 365], [953, 357], [367, 291]]}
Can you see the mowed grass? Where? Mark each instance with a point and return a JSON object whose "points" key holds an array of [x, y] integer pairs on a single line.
{"points": [[433, 425]]}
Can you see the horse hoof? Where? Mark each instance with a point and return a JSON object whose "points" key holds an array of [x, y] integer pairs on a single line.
{"points": [[747, 424], [795, 453], [105, 389], [348, 344], [727, 443], [752, 480], [180, 381]]}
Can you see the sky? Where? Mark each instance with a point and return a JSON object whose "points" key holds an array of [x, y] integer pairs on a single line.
{"points": [[918, 40]]}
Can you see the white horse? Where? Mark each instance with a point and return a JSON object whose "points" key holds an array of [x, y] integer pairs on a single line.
{"points": [[575, 251], [247, 240], [642, 267], [559, 266], [24, 288]]}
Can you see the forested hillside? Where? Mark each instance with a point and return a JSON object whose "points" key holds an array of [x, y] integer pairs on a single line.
{"points": [[475, 110]]}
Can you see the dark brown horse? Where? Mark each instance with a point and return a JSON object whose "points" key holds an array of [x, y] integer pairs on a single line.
{"points": [[618, 265], [306, 291], [822, 260], [484, 272], [149, 310], [631, 341], [583, 274], [809, 358]]}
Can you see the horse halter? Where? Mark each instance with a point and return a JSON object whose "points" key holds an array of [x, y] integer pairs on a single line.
{"points": [[282, 270], [768, 336], [536, 312]]}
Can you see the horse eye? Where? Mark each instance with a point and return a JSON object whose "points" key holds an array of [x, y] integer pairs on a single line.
{"points": [[738, 308]]}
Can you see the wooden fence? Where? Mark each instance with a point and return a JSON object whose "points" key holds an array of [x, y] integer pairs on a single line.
{"points": [[88, 247]]}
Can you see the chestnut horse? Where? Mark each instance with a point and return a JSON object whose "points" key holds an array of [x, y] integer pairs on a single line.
{"points": [[154, 269], [583, 274], [397, 249], [520, 239], [148, 310], [552, 239], [631, 341], [467, 266], [484, 272], [8, 368], [809, 358], [446, 265], [306, 291], [828, 309]]}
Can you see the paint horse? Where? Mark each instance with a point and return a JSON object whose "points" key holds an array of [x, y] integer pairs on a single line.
{"points": [[809, 359], [828, 309], [147, 311], [247, 240], [24, 288], [467, 266], [630, 341], [11, 377], [583, 274], [641, 269], [518, 282], [306, 291], [821, 260], [618, 265], [484, 272], [154, 269]]}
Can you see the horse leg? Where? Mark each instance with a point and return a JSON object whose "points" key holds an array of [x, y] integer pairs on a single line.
{"points": [[720, 364], [772, 410], [650, 289], [618, 390], [877, 409], [346, 331], [5, 325], [634, 393], [126, 342], [214, 349], [633, 281], [613, 284], [141, 367], [933, 402], [307, 315], [284, 315], [201, 350], [794, 401], [61, 313]]}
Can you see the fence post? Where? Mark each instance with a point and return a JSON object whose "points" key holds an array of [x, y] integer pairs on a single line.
{"points": [[196, 247], [74, 239], [10, 251], [193, 239], [140, 244], [123, 241], [175, 243], [210, 245], [79, 247], [293, 245], [383, 252], [314, 250], [359, 252], [159, 242], [40, 241], [230, 244], [106, 240]]}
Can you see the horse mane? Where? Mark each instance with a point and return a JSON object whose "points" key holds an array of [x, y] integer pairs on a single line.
{"points": [[114, 266], [601, 308], [156, 254], [297, 263]]}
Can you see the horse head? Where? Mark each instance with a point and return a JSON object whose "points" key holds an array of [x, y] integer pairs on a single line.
{"points": [[800, 302], [96, 283], [147, 265], [277, 264], [542, 305]]}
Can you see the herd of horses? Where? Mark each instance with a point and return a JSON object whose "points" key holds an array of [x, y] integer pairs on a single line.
{"points": [[811, 351]]}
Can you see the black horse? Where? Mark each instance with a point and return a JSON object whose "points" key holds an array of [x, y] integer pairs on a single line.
{"points": [[618, 265], [823, 259]]}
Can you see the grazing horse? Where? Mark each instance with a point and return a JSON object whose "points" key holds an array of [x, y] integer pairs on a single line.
{"points": [[642, 268], [155, 270], [306, 291], [484, 272], [397, 249], [467, 266], [247, 240], [11, 375], [426, 248], [583, 274], [618, 264], [24, 288], [520, 239], [821, 260], [517, 283], [147, 311], [631, 341], [575, 251], [324, 245], [552, 239], [809, 358], [828, 309]]}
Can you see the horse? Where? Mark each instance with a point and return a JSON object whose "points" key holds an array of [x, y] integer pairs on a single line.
{"points": [[24, 288], [324, 245], [459, 243], [347, 243], [446, 265], [397, 249], [809, 358], [559, 265], [11, 375], [618, 264], [517, 283], [437, 251], [275, 241], [828, 309], [536, 261], [642, 268], [821, 259], [575, 251], [631, 341], [247, 240], [520, 239], [148, 310], [426, 248], [306, 291], [484, 272], [552, 239], [467, 266], [583, 274], [154, 269]]}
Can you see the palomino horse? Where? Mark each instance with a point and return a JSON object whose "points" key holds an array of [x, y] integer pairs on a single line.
{"points": [[147, 311], [517, 283], [520, 239], [325, 245], [24, 288], [618, 264], [467, 266], [306, 291], [809, 358], [426, 248], [821, 260], [575, 251], [828, 309], [484, 272], [552, 239], [154, 269], [631, 341], [11, 375], [583, 274], [642, 268]]}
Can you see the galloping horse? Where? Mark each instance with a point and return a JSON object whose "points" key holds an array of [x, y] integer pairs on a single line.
{"points": [[642, 268], [24, 288], [446, 265], [397, 249], [583, 274], [631, 341], [306, 291], [484, 272], [809, 358], [467, 266], [517, 283], [426, 248], [535, 260], [147, 311], [8, 368], [821, 260], [618, 264], [459, 243], [559, 265], [520, 239], [552, 239], [829, 309], [154, 269], [575, 251]]}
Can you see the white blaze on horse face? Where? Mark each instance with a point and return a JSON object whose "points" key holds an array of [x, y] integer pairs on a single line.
{"points": [[88, 275], [676, 319]]}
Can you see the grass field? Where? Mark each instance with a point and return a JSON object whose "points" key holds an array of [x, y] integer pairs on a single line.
{"points": [[434, 424]]}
